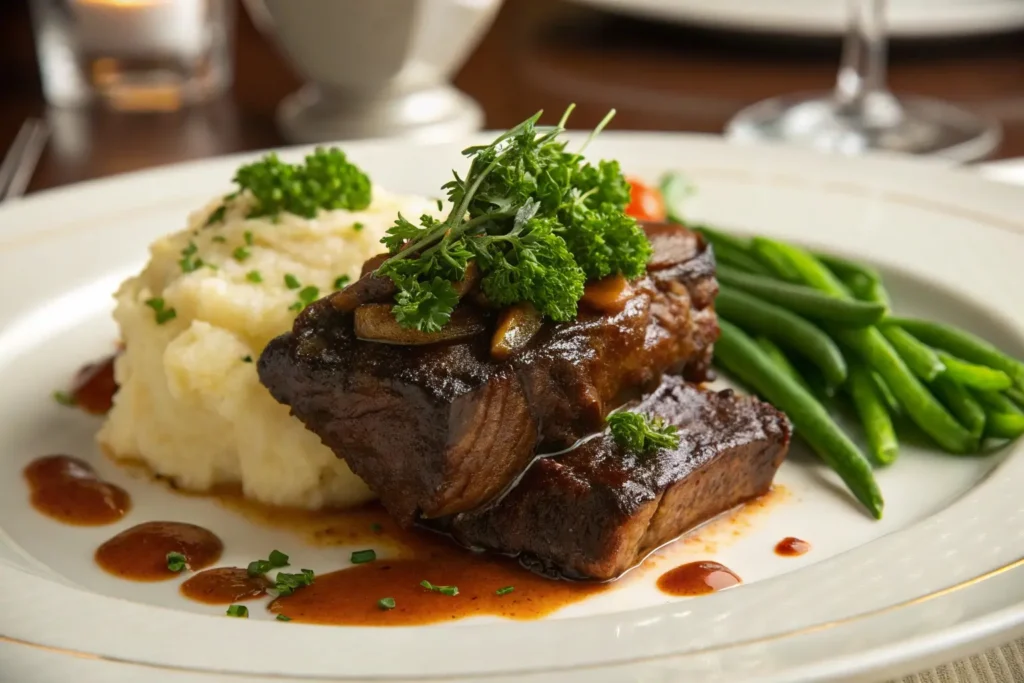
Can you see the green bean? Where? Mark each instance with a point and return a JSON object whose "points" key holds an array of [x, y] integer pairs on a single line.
{"points": [[806, 301], [730, 256], [963, 344], [967, 409], [890, 400], [778, 357], [785, 328], [996, 402], [922, 360], [722, 239], [975, 376], [1015, 395], [774, 260], [741, 356], [675, 190], [1004, 426], [868, 290], [804, 267], [845, 269], [872, 346], [874, 416]]}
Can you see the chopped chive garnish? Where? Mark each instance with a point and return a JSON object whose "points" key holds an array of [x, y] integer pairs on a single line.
{"points": [[64, 398], [246, 359], [188, 261], [446, 590], [240, 254], [163, 314], [216, 216], [248, 238], [176, 562], [297, 306], [276, 559], [358, 227], [286, 584], [291, 282], [219, 239], [505, 591], [283, 617], [440, 205], [254, 276], [238, 611], [258, 568], [308, 295], [376, 528], [386, 603], [364, 556], [341, 281]]}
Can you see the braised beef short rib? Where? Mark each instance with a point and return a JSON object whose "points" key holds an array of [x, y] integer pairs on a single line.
{"points": [[444, 428], [597, 510]]}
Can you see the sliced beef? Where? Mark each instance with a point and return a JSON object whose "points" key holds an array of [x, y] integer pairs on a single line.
{"points": [[444, 428], [596, 511]]}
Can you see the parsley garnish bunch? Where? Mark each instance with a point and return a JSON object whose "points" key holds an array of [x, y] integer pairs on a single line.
{"points": [[538, 221], [325, 180], [639, 434]]}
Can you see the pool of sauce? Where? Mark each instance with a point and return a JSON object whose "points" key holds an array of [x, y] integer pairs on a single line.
{"points": [[697, 578], [140, 553], [349, 596], [94, 386], [224, 585], [791, 547], [69, 490]]}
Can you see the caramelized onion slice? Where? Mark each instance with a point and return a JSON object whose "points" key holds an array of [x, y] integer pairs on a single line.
{"points": [[608, 295], [366, 290], [516, 327], [672, 245], [374, 322]]}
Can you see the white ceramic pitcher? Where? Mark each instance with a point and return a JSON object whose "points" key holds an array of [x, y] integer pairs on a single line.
{"points": [[376, 67]]}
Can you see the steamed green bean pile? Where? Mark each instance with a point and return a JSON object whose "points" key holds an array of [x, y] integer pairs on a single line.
{"points": [[806, 331]]}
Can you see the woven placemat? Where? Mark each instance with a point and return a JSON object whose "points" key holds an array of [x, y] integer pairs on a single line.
{"points": [[999, 665]]}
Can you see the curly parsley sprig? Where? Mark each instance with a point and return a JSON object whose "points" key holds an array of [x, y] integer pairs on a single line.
{"points": [[639, 434], [326, 179], [538, 221]]}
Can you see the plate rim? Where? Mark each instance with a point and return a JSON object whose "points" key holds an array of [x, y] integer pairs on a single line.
{"points": [[68, 194]]}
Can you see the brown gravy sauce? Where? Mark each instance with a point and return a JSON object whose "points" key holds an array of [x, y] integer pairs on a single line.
{"points": [[140, 553], [697, 578], [350, 596], [94, 386], [791, 547], [224, 585], [69, 490]]}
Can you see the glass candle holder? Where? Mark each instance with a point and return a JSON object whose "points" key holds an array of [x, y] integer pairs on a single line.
{"points": [[133, 55]]}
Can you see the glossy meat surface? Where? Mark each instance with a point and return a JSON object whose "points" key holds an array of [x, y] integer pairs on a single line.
{"points": [[596, 511], [440, 429]]}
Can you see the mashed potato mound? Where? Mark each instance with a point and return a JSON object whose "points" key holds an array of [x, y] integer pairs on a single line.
{"points": [[190, 404]]}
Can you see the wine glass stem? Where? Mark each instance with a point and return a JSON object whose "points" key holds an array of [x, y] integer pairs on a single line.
{"points": [[863, 68]]}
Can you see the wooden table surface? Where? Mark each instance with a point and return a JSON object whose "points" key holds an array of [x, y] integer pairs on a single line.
{"points": [[538, 54]]}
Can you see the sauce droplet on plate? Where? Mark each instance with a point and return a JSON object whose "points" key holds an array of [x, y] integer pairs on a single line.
{"points": [[352, 596], [791, 547], [140, 553], [69, 490], [224, 585], [94, 386], [697, 578]]}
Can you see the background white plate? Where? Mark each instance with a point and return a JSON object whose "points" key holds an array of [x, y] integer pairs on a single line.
{"points": [[941, 575], [907, 18]]}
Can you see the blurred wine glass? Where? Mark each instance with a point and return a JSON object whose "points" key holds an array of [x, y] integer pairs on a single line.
{"points": [[860, 114]]}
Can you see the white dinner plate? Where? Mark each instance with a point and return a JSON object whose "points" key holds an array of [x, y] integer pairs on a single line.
{"points": [[940, 576], [907, 18]]}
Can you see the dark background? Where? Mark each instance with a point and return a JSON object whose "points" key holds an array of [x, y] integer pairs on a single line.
{"points": [[538, 54]]}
